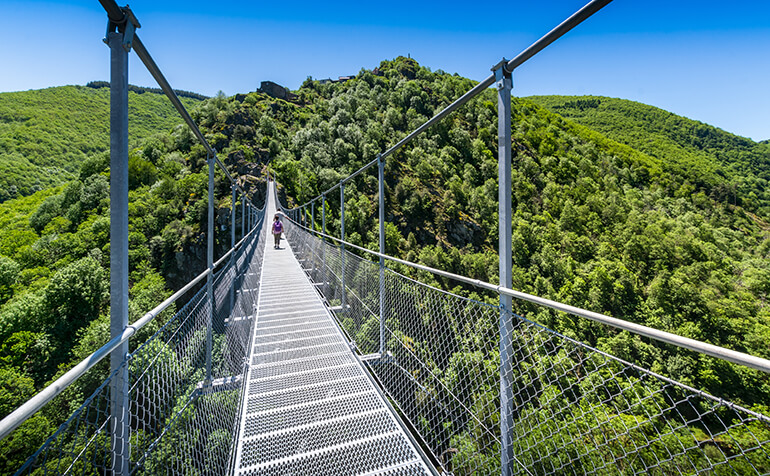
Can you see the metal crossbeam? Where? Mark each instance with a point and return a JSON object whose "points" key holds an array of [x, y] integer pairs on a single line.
{"points": [[220, 384]]}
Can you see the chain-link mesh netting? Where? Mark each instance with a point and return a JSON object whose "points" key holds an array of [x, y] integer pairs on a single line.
{"points": [[178, 424], [576, 410]]}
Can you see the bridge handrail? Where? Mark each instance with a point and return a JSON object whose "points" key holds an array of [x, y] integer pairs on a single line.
{"points": [[36, 403], [578, 17], [722, 353], [119, 16]]}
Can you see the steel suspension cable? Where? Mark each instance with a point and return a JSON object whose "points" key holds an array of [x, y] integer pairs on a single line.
{"points": [[117, 16], [662, 336], [578, 17]]}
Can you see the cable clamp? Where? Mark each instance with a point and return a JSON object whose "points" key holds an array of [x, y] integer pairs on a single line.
{"points": [[503, 77], [127, 25]]}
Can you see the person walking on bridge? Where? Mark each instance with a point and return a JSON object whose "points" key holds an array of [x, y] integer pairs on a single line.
{"points": [[277, 230]]}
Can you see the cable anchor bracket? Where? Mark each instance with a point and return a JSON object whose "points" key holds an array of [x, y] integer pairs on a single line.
{"points": [[502, 75], [127, 25]]}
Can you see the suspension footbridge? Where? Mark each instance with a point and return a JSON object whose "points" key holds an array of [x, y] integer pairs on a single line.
{"points": [[319, 357]]}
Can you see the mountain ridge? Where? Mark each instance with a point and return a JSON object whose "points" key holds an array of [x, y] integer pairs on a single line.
{"points": [[45, 134], [687, 142]]}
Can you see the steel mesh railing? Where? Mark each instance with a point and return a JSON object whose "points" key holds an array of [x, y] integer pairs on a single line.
{"points": [[577, 410], [179, 423]]}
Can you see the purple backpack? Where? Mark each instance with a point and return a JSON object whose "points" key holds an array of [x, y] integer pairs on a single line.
{"points": [[277, 227]]}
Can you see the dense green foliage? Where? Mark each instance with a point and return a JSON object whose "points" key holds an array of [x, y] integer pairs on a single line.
{"points": [[726, 167], [640, 233], [621, 209], [663, 222], [45, 135], [54, 261]]}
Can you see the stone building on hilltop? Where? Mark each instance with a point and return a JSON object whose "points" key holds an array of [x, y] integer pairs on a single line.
{"points": [[276, 90]]}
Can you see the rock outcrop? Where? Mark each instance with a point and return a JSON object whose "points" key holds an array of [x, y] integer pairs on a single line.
{"points": [[276, 90]]}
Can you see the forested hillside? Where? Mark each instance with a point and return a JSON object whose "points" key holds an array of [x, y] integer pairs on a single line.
{"points": [[634, 222], [46, 134], [646, 234], [54, 263], [732, 168]]}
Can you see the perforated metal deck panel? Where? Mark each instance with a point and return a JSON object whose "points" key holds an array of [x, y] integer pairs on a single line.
{"points": [[310, 407]]}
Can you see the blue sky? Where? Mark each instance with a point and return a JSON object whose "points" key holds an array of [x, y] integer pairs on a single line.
{"points": [[707, 60]]}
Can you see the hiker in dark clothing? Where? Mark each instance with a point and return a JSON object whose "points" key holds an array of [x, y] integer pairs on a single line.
{"points": [[277, 230]]}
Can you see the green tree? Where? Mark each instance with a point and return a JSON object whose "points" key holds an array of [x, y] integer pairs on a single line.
{"points": [[72, 299], [9, 272], [15, 389]]}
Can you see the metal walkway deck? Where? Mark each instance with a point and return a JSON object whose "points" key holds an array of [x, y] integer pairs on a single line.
{"points": [[310, 406]]}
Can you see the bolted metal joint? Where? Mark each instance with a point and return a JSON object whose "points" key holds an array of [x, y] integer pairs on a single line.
{"points": [[126, 25], [503, 77]]}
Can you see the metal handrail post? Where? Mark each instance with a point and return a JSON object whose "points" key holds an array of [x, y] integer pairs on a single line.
{"points": [[233, 211], [119, 389], [323, 214], [381, 180], [342, 246], [312, 227], [504, 85], [232, 244], [210, 277], [324, 273], [243, 215]]}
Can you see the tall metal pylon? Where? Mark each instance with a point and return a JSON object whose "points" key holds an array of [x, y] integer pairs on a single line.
{"points": [[504, 84], [120, 32]]}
